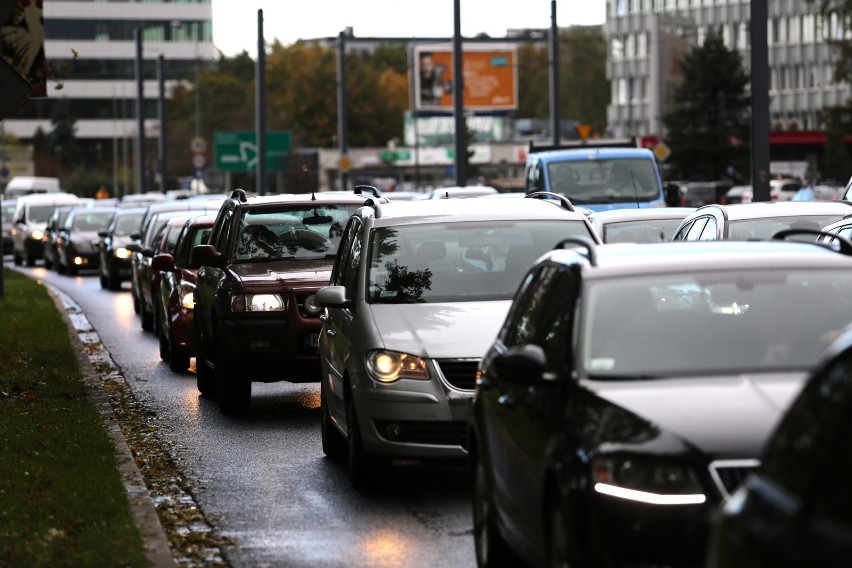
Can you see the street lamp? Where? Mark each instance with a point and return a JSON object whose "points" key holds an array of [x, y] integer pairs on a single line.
{"points": [[140, 111]]}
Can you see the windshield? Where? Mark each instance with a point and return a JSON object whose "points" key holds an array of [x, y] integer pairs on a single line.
{"points": [[649, 231], [296, 232], [720, 322], [459, 262], [127, 224], [8, 213], [604, 181], [91, 220], [765, 227], [40, 213]]}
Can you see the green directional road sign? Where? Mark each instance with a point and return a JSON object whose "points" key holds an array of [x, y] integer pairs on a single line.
{"points": [[236, 151]]}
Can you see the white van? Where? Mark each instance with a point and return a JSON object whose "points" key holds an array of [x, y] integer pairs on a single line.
{"points": [[30, 222], [19, 186]]}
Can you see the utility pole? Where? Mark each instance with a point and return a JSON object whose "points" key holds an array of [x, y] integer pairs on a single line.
{"points": [[161, 111], [343, 162], [759, 101], [458, 100], [554, 76], [260, 104]]}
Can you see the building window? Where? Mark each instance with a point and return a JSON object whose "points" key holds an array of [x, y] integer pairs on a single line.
{"points": [[617, 49]]}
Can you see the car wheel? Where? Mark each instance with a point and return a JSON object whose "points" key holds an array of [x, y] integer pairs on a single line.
{"points": [[233, 393], [360, 465], [204, 378], [17, 259], [48, 264], [178, 360], [113, 279], [558, 544], [492, 551], [333, 443], [165, 352], [104, 281], [72, 269], [146, 317]]}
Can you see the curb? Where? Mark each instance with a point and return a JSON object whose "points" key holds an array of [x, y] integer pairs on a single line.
{"points": [[89, 351]]}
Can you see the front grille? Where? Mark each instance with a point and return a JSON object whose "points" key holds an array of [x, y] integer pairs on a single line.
{"points": [[460, 374], [423, 431], [729, 474]]}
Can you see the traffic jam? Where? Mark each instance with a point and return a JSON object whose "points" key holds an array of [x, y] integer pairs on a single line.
{"points": [[620, 382]]}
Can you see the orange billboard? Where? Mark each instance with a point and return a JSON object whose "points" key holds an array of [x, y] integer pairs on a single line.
{"points": [[489, 74]]}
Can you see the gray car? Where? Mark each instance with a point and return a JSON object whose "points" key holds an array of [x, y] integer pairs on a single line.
{"points": [[417, 294]]}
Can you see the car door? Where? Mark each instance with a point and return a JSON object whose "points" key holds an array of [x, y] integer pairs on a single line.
{"points": [[335, 342], [510, 432]]}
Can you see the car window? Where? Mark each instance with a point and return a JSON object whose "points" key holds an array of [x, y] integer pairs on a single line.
{"points": [[647, 231], [349, 276], [749, 320], [528, 307], [127, 224], [681, 234], [696, 229], [709, 232], [350, 233], [557, 321], [459, 261]]}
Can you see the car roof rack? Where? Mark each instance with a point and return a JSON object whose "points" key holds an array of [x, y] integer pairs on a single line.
{"points": [[550, 195], [371, 189], [844, 245], [239, 194], [375, 204], [584, 242]]}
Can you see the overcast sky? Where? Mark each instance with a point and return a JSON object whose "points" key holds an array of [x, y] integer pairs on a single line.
{"points": [[235, 21]]}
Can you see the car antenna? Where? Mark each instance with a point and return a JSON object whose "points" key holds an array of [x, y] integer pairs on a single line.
{"points": [[313, 196]]}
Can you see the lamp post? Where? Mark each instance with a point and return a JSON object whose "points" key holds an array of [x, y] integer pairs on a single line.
{"points": [[140, 117]]}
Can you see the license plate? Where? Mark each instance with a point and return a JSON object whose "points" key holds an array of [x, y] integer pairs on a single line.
{"points": [[310, 340]]}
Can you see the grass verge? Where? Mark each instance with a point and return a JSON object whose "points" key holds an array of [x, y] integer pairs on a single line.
{"points": [[62, 500]]}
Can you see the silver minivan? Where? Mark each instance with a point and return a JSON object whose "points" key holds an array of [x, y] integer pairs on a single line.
{"points": [[417, 293], [30, 223]]}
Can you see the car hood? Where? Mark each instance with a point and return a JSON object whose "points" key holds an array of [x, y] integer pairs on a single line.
{"points": [[720, 416], [441, 330], [292, 272]]}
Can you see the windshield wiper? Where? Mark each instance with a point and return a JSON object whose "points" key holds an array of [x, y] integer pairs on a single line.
{"points": [[626, 377]]}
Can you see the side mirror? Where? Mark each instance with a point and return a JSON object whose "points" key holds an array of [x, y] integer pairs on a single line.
{"points": [[521, 364], [103, 234], [149, 252], [206, 255], [133, 247], [135, 237], [163, 262], [333, 297]]}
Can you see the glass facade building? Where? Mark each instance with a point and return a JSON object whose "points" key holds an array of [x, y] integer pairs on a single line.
{"points": [[647, 38]]}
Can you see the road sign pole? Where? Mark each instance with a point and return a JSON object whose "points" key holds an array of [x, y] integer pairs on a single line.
{"points": [[260, 97]]}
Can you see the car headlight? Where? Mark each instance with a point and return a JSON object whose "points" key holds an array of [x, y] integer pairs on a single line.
{"points": [[257, 303], [122, 253], [647, 481], [186, 293], [37, 235], [389, 366]]}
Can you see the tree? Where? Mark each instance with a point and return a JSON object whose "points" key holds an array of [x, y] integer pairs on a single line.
{"points": [[709, 126]]}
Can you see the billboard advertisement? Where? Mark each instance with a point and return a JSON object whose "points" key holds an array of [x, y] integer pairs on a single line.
{"points": [[489, 71]]}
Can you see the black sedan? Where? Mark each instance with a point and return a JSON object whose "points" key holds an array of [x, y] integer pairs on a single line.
{"points": [[632, 388]]}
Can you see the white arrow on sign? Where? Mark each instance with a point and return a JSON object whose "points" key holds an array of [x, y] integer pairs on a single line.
{"points": [[245, 149]]}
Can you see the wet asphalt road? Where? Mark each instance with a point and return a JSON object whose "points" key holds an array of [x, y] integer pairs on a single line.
{"points": [[265, 482]]}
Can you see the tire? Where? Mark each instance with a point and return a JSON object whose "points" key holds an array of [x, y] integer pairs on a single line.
{"points": [[178, 360], [165, 352], [333, 443], [204, 378], [17, 259], [48, 264], [558, 543], [104, 282], [360, 465], [147, 318], [233, 393], [492, 551], [72, 270], [112, 278]]}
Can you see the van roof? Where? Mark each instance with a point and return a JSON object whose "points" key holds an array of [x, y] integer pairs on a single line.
{"points": [[48, 198]]}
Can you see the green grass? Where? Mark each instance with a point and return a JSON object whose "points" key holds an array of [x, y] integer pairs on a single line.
{"points": [[62, 501]]}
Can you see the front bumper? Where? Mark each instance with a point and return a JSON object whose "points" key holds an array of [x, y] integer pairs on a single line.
{"points": [[412, 418]]}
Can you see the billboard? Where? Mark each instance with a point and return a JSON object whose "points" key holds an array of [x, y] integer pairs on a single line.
{"points": [[490, 77]]}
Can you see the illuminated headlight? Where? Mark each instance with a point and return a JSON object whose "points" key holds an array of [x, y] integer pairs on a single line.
{"points": [[37, 235], [187, 296], [257, 303], [311, 305], [121, 252], [390, 366], [647, 481]]}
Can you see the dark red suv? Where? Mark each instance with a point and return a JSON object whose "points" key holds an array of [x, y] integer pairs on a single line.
{"points": [[256, 318]]}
